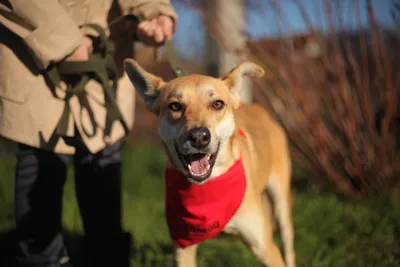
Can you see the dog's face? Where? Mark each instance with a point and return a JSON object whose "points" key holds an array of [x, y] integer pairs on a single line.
{"points": [[195, 121], [195, 114]]}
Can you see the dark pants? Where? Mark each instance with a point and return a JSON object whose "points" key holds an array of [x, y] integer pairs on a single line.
{"points": [[40, 177]]}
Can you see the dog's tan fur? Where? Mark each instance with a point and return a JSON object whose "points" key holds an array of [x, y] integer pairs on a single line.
{"points": [[264, 151]]}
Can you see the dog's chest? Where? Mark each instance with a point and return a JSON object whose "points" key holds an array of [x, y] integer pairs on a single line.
{"points": [[196, 213], [233, 226], [230, 228]]}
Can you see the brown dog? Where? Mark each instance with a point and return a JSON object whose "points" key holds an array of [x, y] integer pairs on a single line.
{"points": [[207, 132]]}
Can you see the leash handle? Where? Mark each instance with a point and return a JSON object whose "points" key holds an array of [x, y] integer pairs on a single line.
{"points": [[173, 59]]}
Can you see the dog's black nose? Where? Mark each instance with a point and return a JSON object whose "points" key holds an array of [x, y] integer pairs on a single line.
{"points": [[199, 137]]}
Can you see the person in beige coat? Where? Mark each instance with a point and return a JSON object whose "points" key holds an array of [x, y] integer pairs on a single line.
{"points": [[37, 37]]}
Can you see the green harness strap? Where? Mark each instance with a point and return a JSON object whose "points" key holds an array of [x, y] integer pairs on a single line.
{"points": [[100, 67]]}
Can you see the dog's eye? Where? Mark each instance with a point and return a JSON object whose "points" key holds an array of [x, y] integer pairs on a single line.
{"points": [[218, 105], [175, 106]]}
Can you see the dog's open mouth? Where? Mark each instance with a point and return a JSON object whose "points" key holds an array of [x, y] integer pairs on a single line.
{"points": [[198, 166]]}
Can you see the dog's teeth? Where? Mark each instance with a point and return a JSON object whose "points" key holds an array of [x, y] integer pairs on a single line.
{"points": [[207, 168]]}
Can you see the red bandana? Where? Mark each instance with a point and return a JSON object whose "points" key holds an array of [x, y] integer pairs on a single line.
{"points": [[196, 213]]}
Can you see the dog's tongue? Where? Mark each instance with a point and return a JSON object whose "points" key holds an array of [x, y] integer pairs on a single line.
{"points": [[199, 166]]}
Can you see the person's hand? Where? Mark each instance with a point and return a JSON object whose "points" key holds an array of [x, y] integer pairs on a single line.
{"points": [[82, 52], [154, 32]]}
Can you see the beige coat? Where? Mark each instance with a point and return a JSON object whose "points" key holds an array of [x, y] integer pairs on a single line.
{"points": [[46, 32]]}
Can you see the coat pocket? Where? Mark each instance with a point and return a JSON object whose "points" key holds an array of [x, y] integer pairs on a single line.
{"points": [[17, 90], [20, 76]]}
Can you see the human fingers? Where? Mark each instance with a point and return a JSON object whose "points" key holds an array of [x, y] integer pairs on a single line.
{"points": [[167, 25], [158, 35]]}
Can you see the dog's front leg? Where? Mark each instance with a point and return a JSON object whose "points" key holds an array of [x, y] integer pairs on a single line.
{"points": [[186, 257], [256, 230]]}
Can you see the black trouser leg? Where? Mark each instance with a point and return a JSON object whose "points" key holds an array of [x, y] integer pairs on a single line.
{"points": [[98, 189], [39, 180]]}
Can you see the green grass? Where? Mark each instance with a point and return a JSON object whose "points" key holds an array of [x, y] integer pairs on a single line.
{"points": [[329, 231]]}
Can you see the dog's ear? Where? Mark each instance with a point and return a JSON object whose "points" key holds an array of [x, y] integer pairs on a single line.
{"points": [[233, 79], [146, 84]]}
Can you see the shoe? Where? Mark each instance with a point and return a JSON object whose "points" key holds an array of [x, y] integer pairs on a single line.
{"points": [[108, 251], [64, 258]]}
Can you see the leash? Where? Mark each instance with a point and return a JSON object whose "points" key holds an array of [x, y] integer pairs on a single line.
{"points": [[173, 59], [102, 68]]}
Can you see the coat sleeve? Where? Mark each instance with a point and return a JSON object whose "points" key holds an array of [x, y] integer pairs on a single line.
{"points": [[149, 8], [45, 27]]}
